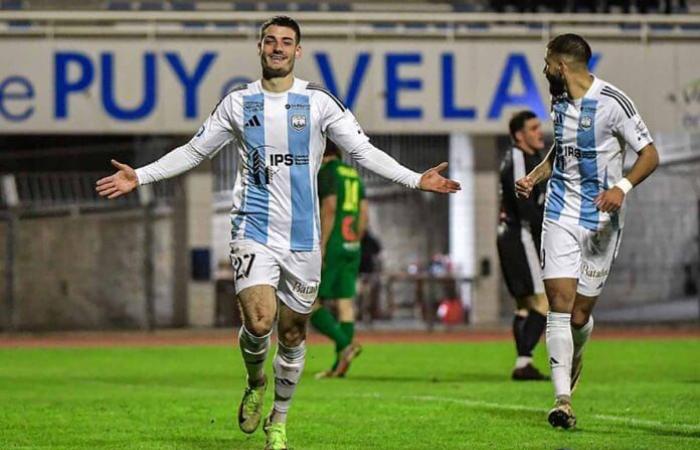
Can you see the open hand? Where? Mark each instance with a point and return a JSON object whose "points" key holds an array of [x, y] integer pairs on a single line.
{"points": [[432, 181], [121, 182]]}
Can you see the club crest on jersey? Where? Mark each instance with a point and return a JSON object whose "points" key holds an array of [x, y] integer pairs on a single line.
{"points": [[298, 122], [586, 122]]}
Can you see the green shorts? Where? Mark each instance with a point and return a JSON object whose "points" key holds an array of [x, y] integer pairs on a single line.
{"points": [[339, 276]]}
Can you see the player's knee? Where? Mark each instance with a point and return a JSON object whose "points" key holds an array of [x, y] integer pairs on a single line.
{"points": [[259, 326], [579, 318], [559, 303], [293, 336]]}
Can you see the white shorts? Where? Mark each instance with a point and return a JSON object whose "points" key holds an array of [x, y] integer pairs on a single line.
{"points": [[571, 251], [295, 275]]}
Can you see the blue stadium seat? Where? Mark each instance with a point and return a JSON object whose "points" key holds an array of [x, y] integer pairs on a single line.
{"points": [[308, 6], [187, 6], [661, 26], [15, 5], [417, 26], [463, 7], [245, 6], [151, 6], [339, 7], [277, 6], [690, 27], [182, 6], [119, 5], [384, 26], [477, 26], [630, 27]]}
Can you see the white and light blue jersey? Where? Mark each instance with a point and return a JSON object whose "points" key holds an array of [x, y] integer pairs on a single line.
{"points": [[591, 135], [280, 139]]}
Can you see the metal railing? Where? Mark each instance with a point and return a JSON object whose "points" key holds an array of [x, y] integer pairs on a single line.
{"points": [[47, 192], [346, 25]]}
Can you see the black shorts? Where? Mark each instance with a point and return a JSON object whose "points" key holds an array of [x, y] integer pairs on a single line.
{"points": [[520, 262]]}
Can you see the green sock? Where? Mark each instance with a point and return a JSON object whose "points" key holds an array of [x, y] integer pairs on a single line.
{"points": [[349, 330], [324, 322]]}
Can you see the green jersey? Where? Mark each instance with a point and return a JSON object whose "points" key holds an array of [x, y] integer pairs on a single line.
{"points": [[339, 179]]}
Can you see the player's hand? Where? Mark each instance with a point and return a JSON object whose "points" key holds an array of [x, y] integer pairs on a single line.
{"points": [[524, 186], [121, 182], [611, 200], [432, 181]]}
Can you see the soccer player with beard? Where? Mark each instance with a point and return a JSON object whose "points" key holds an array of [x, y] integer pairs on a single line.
{"points": [[278, 125], [594, 123]]}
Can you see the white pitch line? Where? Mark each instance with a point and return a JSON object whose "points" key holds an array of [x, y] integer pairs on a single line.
{"points": [[482, 404]]}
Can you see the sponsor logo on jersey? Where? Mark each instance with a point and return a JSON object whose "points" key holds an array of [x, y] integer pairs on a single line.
{"points": [[298, 122], [297, 106], [288, 160], [592, 272], [586, 122], [306, 291], [253, 122], [254, 106], [569, 151]]}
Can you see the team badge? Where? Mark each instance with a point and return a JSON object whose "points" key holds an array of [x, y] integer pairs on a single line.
{"points": [[586, 122], [299, 122]]}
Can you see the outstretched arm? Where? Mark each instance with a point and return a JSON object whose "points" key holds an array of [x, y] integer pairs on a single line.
{"points": [[541, 172], [379, 162], [647, 161], [126, 179], [346, 132], [214, 133]]}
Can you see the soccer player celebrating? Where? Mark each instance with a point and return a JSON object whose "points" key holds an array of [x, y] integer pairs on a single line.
{"points": [[343, 222], [519, 230], [594, 122], [278, 125]]}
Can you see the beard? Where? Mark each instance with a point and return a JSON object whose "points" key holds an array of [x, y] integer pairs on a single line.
{"points": [[281, 72], [557, 84]]}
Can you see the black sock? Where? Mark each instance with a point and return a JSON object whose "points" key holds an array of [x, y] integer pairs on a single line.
{"points": [[532, 330], [519, 335]]}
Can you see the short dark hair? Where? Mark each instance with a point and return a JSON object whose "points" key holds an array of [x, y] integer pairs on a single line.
{"points": [[281, 21], [571, 45], [517, 122]]}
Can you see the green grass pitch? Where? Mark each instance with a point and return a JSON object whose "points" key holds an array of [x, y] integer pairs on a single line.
{"points": [[634, 395]]}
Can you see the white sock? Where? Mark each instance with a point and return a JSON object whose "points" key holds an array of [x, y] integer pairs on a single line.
{"points": [[581, 335], [560, 346], [288, 365], [522, 361], [254, 350]]}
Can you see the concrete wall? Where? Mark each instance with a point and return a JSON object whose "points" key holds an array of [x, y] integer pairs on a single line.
{"points": [[87, 271], [660, 238]]}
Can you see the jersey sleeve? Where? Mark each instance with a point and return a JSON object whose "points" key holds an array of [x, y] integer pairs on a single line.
{"points": [[629, 125], [216, 131], [341, 126], [326, 182]]}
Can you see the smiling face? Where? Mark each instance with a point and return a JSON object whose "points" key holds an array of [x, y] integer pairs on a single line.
{"points": [[278, 50]]}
